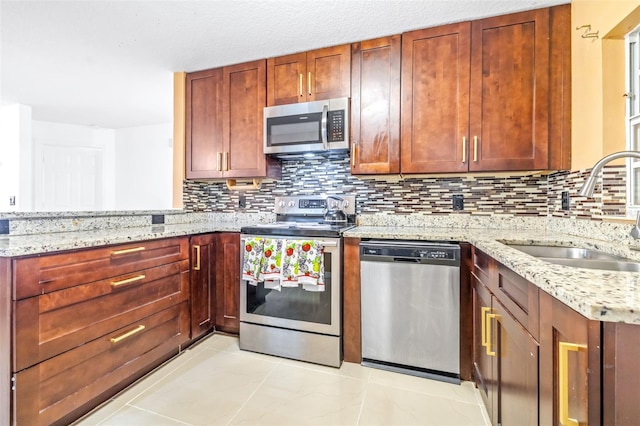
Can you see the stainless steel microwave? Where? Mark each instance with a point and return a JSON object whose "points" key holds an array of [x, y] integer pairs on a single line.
{"points": [[307, 127]]}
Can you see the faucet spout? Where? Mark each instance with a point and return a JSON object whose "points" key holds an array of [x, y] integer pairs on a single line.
{"points": [[590, 184], [635, 232]]}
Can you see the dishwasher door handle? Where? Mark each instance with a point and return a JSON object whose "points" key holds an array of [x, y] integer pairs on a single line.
{"points": [[404, 259]]}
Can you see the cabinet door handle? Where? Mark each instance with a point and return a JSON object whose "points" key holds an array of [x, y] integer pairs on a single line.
{"points": [[127, 334], [563, 380], [218, 161], [483, 327], [353, 154], [301, 91], [127, 251], [196, 267], [128, 280], [475, 149], [225, 161], [464, 149], [309, 82], [489, 342]]}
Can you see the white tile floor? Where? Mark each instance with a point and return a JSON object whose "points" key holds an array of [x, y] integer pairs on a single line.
{"points": [[215, 383]]}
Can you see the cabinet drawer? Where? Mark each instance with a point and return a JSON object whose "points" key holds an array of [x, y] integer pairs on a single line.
{"points": [[520, 297], [484, 268], [55, 322], [44, 274], [72, 382]]}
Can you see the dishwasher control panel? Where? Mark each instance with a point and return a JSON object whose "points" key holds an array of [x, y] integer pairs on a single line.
{"points": [[417, 252]]}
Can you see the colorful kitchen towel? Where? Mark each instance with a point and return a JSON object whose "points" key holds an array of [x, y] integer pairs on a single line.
{"points": [[290, 267], [303, 264], [252, 259], [271, 263]]}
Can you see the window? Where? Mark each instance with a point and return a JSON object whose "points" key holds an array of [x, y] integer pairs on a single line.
{"points": [[632, 45]]}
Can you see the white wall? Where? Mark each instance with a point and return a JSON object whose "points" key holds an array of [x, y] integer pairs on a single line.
{"points": [[75, 136], [136, 170], [16, 161], [144, 164]]}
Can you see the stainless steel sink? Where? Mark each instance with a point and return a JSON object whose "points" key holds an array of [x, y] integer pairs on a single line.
{"points": [[579, 257], [565, 252], [607, 265]]}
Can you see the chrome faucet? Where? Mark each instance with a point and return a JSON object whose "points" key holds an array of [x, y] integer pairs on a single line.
{"points": [[590, 184]]}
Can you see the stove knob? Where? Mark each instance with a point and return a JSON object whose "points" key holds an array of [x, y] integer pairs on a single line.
{"points": [[281, 204], [345, 204], [292, 204]]}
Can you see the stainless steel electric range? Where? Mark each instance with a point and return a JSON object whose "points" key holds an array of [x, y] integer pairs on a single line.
{"points": [[284, 317]]}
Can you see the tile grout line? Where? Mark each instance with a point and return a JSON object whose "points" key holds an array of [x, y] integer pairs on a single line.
{"points": [[252, 393], [364, 398]]}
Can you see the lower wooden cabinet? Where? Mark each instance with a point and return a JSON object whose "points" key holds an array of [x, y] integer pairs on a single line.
{"points": [[505, 361], [569, 365], [87, 323], [621, 373], [203, 270], [228, 282]]}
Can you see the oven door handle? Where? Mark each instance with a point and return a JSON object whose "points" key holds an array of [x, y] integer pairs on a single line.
{"points": [[323, 127]]}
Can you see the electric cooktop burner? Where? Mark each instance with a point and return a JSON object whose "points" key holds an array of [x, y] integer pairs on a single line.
{"points": [[303, 216]]}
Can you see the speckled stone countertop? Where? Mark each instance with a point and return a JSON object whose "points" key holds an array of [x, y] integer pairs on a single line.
{"points": [[596, 294], [23, 245]]}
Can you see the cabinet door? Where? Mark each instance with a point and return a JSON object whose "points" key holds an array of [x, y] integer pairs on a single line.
{"points": [[244, 98], [286, 79], [202, 284], [517, 362], [329, 73], [569, 365], [435, 99], [484, 360], [510, 92], [621, 350], [228, 282], [204, 124], [375, 106]]}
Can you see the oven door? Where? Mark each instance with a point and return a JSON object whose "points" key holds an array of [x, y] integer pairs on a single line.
{"points": [[293, 307]]}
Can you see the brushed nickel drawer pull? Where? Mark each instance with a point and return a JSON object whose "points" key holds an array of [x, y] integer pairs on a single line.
{"points": [[309, 82], [219, 161], [128, 280], [127, 334], [127, 251], [353, 154]]}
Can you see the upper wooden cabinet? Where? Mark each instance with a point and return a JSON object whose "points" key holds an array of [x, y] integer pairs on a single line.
{"points": [[375, 106], [309, 76], [435, 99], [224, 126], [509, 111], [204, 124], [478, 96]]}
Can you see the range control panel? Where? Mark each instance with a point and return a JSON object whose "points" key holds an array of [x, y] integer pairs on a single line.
{"points": [[313, 205]]}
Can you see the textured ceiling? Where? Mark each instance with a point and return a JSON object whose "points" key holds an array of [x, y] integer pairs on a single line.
{"points": [[110, 63]]}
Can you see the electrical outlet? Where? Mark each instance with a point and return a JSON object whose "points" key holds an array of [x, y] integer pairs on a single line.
{"points": [[565, 200], [12, 200], [242, 201], [458, 202]]}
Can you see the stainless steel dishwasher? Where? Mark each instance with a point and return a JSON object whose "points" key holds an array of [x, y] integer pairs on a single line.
{"points": [[410, 302]]}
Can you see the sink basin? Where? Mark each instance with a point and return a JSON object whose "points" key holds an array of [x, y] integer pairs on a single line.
{"points": [[565, 252], [607, 265], [579, 257]]}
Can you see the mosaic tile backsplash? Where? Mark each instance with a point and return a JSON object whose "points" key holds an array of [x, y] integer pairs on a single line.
{"points": [[534, 195]]}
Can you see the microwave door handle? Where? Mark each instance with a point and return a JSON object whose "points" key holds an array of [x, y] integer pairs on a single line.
{"points": [[323, 127]]}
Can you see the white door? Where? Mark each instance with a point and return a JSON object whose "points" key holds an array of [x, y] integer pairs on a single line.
{"points": [[71, 179]]}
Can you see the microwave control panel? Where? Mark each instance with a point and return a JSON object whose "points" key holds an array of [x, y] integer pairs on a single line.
{"points": [[335, 126]]}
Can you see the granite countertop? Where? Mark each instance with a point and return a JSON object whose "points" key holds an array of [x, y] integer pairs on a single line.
{"points": [[24, 245], [596, 294]]}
